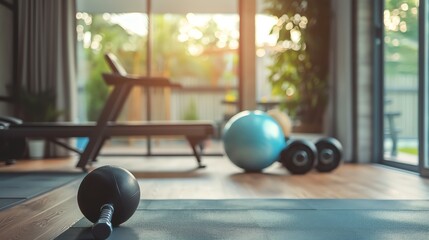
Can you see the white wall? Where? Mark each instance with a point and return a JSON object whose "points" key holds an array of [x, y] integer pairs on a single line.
{"points": [[342, 75], [364, 80]]}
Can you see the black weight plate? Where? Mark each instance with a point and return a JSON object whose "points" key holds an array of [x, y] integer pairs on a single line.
{"points": [[329, 154], [299, 156]]}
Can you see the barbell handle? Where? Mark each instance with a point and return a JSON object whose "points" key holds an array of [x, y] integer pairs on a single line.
{"points": [[103, 227]]}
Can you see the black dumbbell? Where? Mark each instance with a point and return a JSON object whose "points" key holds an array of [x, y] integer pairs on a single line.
{"points": [[108, 196], [299, 156], [330, 153]]}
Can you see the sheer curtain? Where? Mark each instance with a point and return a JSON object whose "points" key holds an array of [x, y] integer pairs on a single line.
{"points": [[46, 51]]}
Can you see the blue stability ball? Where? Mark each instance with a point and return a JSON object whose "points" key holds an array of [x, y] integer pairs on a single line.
{"points": [[253, 140]]}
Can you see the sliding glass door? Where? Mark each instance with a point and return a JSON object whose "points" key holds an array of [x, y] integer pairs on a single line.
{"points": [[424, 88], [401, 82], [402, 85]]}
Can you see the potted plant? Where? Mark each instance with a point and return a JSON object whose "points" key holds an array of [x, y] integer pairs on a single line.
{"points": [[299, 71], [37, 106]]}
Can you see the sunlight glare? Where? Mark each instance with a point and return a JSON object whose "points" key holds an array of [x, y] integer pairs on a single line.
{"points": [[403, 26], [295, 35], [135, 23], [106, 16], [195, 50], [264, 24], [290, 92], [233, 44], [260, 52], [87, 39], [404, 6]]}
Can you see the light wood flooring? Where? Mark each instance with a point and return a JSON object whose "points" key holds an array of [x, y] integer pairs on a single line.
{"points": [[48, 215]]}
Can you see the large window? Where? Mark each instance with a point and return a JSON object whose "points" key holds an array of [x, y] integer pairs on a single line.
{"points": [[199, 50], [194, 43], [197, 44], [424, 88], [125, 35], [401, 81]]}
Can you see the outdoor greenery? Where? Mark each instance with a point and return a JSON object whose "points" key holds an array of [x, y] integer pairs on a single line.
{"points": [[300, 65], [191, 111], [401, 37], [183, 48], [299, 71], [401, 50], [409, 150], [97, 36]]}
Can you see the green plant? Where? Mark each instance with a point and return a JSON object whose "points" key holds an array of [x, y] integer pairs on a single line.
{"points": [[191, 111], [409, 150], [299, 71], [38, 106]]}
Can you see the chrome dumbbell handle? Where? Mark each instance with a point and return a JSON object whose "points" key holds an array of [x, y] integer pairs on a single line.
{"points": [[103, 227]]}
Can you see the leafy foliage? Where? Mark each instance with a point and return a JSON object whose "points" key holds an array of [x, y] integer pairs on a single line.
{"points": [[38, 106], [95, 43], [401, 37], [300, 68], [191, 111]]}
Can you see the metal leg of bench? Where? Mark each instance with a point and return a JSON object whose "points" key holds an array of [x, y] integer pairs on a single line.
{"points": [[394, 151], [97, 151], [393, 133], [109, 113], [90, 152], [194, 143], [65, 146]]}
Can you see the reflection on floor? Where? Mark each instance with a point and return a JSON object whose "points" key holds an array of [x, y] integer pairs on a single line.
{"points": [[173, 145]]}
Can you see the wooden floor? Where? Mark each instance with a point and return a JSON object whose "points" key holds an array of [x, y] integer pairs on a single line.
{"points": [[46, 216]]}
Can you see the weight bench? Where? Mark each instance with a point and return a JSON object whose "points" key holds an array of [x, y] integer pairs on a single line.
{"points": [[106, 126]]}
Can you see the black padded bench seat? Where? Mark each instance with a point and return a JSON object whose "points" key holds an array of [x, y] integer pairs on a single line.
{"points": [[195, 132], [198, 129]]}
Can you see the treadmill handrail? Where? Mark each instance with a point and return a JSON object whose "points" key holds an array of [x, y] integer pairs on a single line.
{"points": [[117, 79]]}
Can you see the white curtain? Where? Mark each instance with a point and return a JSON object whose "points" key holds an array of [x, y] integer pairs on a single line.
{"points": [[46, 50]]}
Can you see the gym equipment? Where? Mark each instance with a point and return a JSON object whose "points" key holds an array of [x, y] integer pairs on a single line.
{"points": [[106, 126], [253, 140], [329, 154], [283, 120], [108, 196], [14, 148], [299, 156]]}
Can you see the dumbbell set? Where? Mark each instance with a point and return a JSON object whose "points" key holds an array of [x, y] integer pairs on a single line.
{"points": [[300, 156]]}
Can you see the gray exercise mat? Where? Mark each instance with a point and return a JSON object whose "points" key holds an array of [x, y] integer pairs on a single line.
{"points": [[18, 187], [271, 219]]}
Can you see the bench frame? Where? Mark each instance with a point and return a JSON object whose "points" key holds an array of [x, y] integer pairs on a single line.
{"points": [[106, 126]]}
